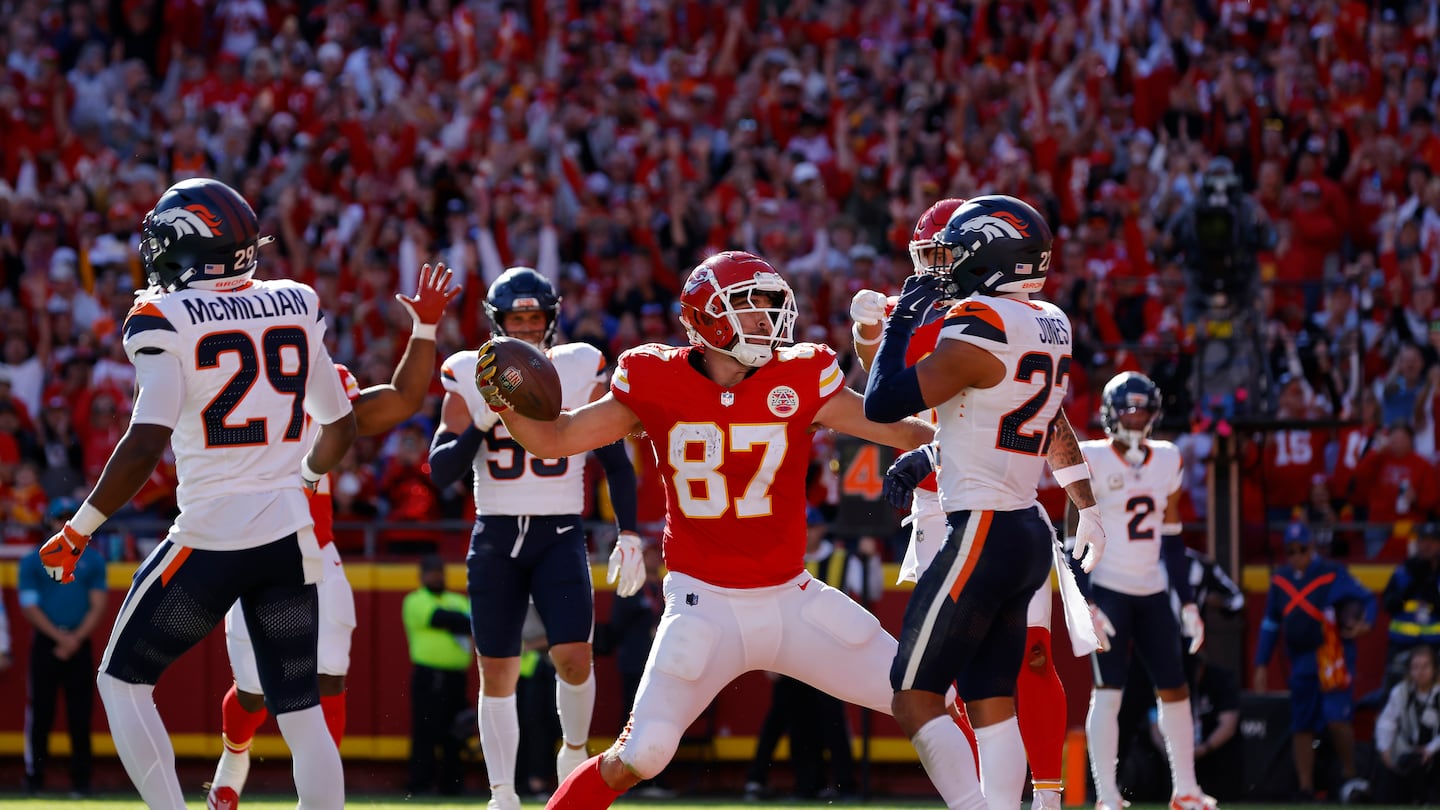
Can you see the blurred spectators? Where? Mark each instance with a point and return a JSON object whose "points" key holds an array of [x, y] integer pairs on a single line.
{"points": [[614, 146]]}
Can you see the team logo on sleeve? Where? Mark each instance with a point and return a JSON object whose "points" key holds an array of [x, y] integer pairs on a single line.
{"points": [[783, 401]]}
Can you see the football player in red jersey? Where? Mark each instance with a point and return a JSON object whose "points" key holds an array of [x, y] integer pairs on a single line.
{"points": [[1040, 696], [729, 419], [377, 409]]}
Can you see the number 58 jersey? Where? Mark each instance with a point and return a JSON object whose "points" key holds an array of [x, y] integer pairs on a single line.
{"points": [[239, 371], [733, 460], [508, 480], [993, 440]]}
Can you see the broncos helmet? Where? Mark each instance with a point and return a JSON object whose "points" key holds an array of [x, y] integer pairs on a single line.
{"points": [[521, 289], [201, 234], [711, 318], [997, 244], [1129, 392], [924, 256]]}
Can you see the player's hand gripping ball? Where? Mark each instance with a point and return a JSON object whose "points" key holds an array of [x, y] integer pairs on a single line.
{"points": [[514, 374]]}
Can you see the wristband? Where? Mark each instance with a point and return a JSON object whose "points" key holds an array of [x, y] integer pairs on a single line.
{"points": [[860, 341], [1169, 529], [423, 331], [307, 474], [1069, 475], [87, 519]]}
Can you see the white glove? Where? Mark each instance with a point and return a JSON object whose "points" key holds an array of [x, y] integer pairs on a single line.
{"points": [[1192, 627], [627, 564], [1089, 539], [867, 308], [1104, 630]]}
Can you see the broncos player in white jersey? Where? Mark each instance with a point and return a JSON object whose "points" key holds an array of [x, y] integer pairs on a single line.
{"points": [[997, 378], [911, 484], [228, 370], [378, 408], [1137, 481], [529, 544]]}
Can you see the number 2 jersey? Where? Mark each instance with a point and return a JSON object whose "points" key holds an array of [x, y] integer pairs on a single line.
{"points": [[236, 374], [1132, 500], [733, 460], [993, 440], [509, 481]]}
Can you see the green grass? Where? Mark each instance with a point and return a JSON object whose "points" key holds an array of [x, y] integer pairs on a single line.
{"points": [[392, 802]]}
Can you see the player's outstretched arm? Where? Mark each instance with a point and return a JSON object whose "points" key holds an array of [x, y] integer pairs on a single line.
{"points": [[845, 412], [381, 407], [602, 422]]}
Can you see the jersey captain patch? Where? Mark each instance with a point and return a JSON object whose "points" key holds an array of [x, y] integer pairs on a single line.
{"points": [[978, 320]]}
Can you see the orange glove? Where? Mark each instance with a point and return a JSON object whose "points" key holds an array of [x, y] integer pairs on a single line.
{"points": [[61, 554]]}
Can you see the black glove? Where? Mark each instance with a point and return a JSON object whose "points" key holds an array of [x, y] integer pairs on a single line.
{"points": [[918, 295], [906, 473]]}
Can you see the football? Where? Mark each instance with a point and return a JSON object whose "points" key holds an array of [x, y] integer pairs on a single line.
{"points": [[527, 378]]}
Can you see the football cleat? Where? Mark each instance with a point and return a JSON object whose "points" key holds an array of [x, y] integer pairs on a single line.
{"points": [[1193, 801], [223, 798]]}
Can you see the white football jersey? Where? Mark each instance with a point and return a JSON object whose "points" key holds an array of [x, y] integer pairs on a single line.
{"points": [[993, 440], [508, 480], [252, 364], [1132, 501]]}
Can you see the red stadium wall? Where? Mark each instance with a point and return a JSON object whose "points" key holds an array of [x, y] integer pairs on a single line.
{"points": [[379, 714]]}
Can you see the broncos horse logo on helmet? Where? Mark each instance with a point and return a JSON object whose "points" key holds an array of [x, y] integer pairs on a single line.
{"points": [[998, 245], [202, 234]]}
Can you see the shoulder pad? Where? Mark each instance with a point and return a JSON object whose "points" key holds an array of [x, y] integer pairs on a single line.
{"points": [[976, 319]]}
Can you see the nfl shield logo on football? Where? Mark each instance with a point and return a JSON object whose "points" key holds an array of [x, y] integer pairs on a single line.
{"points": [[510, 378], [783, 402]]}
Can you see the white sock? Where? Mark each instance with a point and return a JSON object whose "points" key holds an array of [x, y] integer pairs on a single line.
{"points": [[319, 777], [1177, 726], [945, 753], [1002, 764], [233, 770], [499, 738], [575, 703], [1102, 730], [141, 741]]}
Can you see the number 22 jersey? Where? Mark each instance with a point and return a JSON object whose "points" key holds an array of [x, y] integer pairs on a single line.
{"points": [[733, 460]]}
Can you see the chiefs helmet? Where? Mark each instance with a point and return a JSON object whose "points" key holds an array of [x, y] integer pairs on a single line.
{"points": [[521, 289], [997, 244], [923, 255], [723, 287], [201, 234], [1129, 392]]}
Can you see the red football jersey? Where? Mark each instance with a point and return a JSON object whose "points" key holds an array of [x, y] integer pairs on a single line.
{"points": [[733, 460], [322, 501]]}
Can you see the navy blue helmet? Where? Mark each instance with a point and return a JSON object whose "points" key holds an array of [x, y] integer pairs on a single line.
{"points": [[201, 233], [1128, 392], [998, 244], [521, 289]]}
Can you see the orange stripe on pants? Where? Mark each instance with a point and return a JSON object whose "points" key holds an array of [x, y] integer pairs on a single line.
{"points": [[981, 530], [174, 565]]}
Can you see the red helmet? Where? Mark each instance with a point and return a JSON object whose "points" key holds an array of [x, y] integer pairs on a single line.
{"points": [[926, 229], [708, 306]]}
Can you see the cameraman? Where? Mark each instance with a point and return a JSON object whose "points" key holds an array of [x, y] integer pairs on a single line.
{"points": [[1219, 235], [1407, 735]]}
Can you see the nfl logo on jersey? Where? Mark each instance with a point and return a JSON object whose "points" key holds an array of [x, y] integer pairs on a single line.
{"points": [[784, 401]]}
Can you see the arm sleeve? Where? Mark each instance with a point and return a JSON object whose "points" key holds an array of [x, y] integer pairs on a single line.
{"points": [[1177, 566], [893, 390], [161, 383], [452, 455], [1220, 581], [620, 475]]}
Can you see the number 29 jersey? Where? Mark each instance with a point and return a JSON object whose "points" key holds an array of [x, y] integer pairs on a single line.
{"points": [[252, 365], [993, 440], [733, 460], [1132, 500], [508, 480]]}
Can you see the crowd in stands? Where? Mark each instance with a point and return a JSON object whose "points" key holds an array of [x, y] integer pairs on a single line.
{"points": [[613, 145]]}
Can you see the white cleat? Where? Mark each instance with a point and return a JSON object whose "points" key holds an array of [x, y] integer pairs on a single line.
{"points": [[568, 759], [1193, 801], [502, 797]]}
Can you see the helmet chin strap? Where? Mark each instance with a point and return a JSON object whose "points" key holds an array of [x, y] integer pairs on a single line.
{"points": [[749, 354]]}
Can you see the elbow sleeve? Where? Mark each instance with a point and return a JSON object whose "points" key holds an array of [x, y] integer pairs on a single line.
{"points": [[1177, 565], [452, 454], [893, 391]]}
